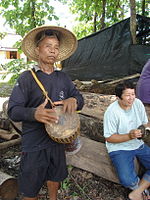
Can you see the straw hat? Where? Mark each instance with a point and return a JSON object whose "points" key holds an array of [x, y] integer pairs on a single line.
{"points": [[68, 42]]}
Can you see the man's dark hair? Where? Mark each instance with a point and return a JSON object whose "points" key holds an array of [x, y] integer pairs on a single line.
{"points": [[122, 86], [41, 35]]}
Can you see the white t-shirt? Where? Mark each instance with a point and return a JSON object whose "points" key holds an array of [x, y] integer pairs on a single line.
{"points": [[117, 120]]}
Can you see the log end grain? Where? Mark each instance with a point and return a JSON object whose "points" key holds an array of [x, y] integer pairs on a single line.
{"points": [[9, 189]]}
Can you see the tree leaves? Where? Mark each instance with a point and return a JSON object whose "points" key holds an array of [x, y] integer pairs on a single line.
{"points": [[98, 14], [23, 15]]}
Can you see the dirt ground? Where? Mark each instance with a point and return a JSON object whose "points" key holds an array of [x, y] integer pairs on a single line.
{"points": [[80, 184]]}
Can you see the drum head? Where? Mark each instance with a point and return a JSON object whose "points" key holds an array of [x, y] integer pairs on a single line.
{"points": [[66, 127]]}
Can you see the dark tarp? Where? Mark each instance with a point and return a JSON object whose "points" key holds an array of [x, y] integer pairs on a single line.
{"points": [[109, 53]]}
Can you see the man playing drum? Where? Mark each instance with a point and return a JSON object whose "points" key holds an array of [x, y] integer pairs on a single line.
{"points": [[43, 160]]}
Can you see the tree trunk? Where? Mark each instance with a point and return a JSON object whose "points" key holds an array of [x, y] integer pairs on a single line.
{"points": [[133, 24], [143, 7], [103, 14], [33, 14], [95, 20]]}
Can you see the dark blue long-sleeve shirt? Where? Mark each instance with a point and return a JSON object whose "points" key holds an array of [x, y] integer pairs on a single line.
{"points": [[27, 95]]}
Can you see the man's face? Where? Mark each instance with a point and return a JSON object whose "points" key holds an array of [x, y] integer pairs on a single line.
{"points": [[127, 98], [48, 50]]}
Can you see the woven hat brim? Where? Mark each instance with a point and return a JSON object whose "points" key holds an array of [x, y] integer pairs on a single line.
{"points": [[68, 42]]}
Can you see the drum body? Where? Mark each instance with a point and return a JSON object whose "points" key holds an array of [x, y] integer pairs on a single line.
{"points": [[73, 147], [67, 129]]}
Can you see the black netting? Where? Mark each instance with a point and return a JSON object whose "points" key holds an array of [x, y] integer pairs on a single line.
{"points": [[143, 30], [109, 53]]}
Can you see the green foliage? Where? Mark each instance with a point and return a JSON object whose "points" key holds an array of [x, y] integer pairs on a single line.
{"points": [[91, 13], [25, 15], [65, 184], [15, 67], [107, 11], [5, 89], [83, 29], [139, 7], [22, 16], [17, 45], [2, 35]]}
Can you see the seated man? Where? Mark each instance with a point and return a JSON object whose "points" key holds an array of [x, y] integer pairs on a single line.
{"points": [[123, 139]]}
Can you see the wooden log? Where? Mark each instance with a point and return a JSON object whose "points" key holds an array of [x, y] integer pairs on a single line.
{"points": [[7, 144], [106, 86], [96, 104], [4, 123], [91, 115], [7, 135], [2, 100], [123, 79], [17, 126], [93, 157], [5, 107], [8, 187], [92, 128]]}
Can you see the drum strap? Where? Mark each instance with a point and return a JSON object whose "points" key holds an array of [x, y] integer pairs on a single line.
{"points": [[42, 88]]}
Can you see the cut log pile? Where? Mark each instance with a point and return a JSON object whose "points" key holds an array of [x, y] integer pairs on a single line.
{"points": [[93, 156], [103, 87], [8, 137]]}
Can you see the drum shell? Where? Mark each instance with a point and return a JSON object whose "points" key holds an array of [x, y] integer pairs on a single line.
{"points": [[67, 122], [67, 140], [73, 147]]}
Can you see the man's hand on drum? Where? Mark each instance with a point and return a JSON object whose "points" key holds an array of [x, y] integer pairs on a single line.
{"points": [[69, 105], [45, 115]]}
